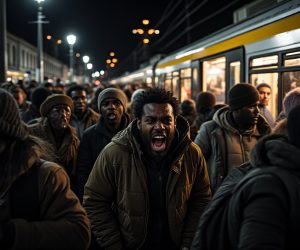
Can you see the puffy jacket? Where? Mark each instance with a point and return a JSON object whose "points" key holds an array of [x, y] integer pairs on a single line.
{"points": [[225, 147], [116, 194]]}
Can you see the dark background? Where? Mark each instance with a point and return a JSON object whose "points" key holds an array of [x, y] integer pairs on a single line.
{"points": [[104, 26]]}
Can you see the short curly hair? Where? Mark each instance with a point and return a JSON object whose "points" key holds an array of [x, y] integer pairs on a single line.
{"points": [[76, 88], [154, 95]]}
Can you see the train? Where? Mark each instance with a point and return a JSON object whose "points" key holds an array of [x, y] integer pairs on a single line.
{"points": [[264, 48]]}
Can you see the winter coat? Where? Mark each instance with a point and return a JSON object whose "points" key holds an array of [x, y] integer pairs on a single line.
{"points": [[264, 213], [94, 139], [116, 195], [225, 147], [61, 222], [67, 152], [90, 118]]}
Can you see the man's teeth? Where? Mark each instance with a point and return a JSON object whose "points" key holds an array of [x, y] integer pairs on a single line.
{"points": [[158, 137]]}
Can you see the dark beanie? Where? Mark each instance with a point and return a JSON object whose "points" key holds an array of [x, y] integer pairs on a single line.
{"points": [[10, 121], [39, 95], [242, 95], [205, 101], [54, 100], [293, 124], [112, 93]]}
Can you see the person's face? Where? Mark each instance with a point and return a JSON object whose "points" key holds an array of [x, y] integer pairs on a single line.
{"points": [[247, 116], [157, 128], [59, 117], [112, 110], [80, 101], [19, 96], [264, 95]]}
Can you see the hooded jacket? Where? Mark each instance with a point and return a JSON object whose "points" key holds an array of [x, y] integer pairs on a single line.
{"points": [[225, 147], [116, 195], [61, 222], [264, 213]]}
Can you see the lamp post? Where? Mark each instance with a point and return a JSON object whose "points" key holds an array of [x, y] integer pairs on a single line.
{"points": [[89, 66], [71, 39], [40, 57], [146, 33], [85, 60]]}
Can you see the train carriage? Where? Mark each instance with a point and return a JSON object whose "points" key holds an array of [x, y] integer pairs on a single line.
{"points": [[265, 48]]}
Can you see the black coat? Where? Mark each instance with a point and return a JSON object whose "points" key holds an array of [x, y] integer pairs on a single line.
{"points": [[264, 214], [94, 139]]}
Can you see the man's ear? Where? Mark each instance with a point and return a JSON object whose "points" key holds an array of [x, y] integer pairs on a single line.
{"points": [[138, 124]]}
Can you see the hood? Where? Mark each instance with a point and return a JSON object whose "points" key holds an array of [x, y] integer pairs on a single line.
{"points": [[127, 137], [221, 117], [275, 150]]}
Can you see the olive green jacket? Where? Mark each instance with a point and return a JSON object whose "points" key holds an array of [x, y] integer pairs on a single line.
{"points": [[116, 194]]}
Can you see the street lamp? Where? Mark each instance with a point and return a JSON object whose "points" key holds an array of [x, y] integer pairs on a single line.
{"points": [[145, 33], [40, 58], [71, 39]]}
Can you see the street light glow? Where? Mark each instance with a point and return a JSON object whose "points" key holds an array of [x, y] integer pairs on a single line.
{"points": [[146, 21], [85, 59], [39, 1], [89, 66], [71, 39]]}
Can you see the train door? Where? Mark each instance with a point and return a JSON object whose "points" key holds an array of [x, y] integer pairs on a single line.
{"points": [[280, 70], [221, 72]]}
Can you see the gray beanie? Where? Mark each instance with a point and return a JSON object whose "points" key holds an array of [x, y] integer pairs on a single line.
{"points": [[242, 95], [112, 93], [53, 100], [11, 124]]}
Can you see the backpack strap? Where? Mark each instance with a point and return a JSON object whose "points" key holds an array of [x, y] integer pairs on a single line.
{"points": [[24, 196]]}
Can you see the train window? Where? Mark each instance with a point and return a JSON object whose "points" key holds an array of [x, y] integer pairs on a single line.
{"points": [[272, 80], [175, 86], [264, 61], [185, 92], [186, 73], [168, 84], [291, 80], [175, 73], [214, 77], [235, 71]]}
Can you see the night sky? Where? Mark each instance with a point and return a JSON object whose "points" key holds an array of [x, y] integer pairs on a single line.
{"points": [[102, 26]]}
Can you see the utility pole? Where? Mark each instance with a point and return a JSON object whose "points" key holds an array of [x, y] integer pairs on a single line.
{"points": [[3, 54]]}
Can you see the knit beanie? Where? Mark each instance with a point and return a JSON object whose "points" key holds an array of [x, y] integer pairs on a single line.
{"points": [[291, 100], [11, 124], [112, 93], [54, 100], [38, 96], [205, 101], [242, 95], [293, 124]]}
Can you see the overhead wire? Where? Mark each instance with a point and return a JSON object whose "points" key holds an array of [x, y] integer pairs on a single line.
{"points": [[174, 39], [171, 28]]}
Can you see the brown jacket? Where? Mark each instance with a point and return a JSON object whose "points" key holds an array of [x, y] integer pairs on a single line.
{"points": [[116, 194], [62, 222]]}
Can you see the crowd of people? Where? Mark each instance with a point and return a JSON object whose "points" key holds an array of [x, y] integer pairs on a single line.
{"points": [[116, 169]]}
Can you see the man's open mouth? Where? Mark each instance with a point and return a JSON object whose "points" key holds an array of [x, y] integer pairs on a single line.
{"points": [[158, 143]]}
